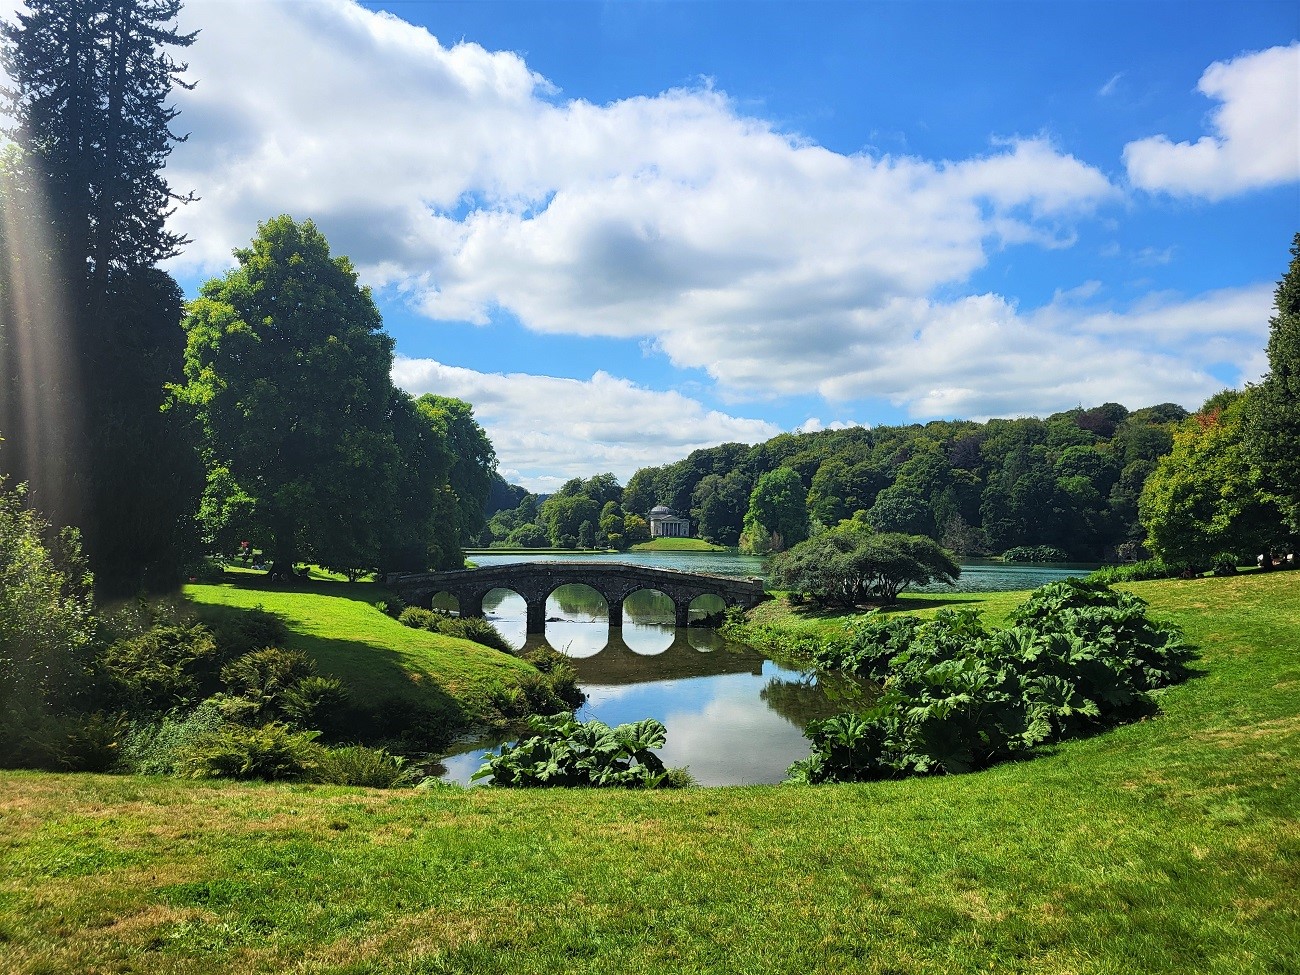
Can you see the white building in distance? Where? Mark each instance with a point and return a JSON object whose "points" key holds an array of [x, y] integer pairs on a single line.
{"points": [[665, 524]]}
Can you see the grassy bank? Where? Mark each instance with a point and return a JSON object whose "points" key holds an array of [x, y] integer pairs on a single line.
{"points": [[1171, 845], [679, 545], [471, 552], [378, 658]]}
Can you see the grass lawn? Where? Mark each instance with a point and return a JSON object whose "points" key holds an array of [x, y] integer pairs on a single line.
{"points": [[679, 545], [1170, 845], [377, 657]]}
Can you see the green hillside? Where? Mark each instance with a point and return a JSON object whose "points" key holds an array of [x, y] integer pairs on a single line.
{"points": [[1170, 845]]}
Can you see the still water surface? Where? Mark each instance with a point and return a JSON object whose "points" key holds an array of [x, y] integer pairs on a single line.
{"points": [[733, 716]]}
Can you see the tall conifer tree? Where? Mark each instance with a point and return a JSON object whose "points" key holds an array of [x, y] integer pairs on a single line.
{"points": [[92, 327], [1273, 424]]}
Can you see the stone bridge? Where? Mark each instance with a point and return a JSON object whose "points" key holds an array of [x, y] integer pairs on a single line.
{"points": [[535, 581]]}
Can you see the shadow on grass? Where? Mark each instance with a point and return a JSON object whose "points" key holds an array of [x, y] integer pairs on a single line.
{"points": [[363, 592], [386, 702]]}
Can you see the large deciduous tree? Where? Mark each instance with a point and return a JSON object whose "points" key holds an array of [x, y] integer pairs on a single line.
{"points": [[288, 370], [1204, 499], [778, 513], [91, 335], [473, 461], [1272, 427]]}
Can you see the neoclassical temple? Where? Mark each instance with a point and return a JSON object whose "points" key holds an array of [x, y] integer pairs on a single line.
{"points": [[664, 523]]}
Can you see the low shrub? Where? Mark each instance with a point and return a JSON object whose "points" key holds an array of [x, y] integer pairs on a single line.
{"points": [[958, 698], [155, 748], [408, 725], [568, 752], [1132, 572], [91, 742], [1035, 553], [206, 569], [374, 768], [313, 701], [391, 606], [474, 628], [265, 675], [163, 668], [237, 709], [272, 751], [559, 678], [1224, 564], [239, 631], [419, 618]]}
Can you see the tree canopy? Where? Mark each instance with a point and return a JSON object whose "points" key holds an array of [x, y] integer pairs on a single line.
{"points": [[1272, 429], [1071, 480], [287, 369], [778, 513], [88, 318], [850, 564], [89, 103], [1203, 503]]}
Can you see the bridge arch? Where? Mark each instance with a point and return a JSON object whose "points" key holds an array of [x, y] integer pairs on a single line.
{"points": [[615, 581], [708, 604]]}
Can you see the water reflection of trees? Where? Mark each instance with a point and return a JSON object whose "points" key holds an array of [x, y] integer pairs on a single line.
{"points": [[813, 698], [577, 599], [618, 664]]}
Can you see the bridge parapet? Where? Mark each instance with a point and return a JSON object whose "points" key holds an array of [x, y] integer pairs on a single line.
{"points": [[535, 581]]}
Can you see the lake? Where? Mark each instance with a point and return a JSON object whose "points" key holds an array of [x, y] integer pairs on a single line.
{"points": [[734, 717]]}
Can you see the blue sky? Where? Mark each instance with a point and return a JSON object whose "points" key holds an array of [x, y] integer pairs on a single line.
{"points": [[626, 230]]}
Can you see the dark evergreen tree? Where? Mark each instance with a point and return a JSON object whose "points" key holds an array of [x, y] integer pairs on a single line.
{"points": [[92, 328], [91, 79], [1272, 429]]}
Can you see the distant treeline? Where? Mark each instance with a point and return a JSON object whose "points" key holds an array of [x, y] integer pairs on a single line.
{"points": [[1070, 481]]}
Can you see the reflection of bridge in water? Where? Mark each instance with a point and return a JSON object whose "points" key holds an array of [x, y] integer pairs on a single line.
{"points": [[693, 653], [535, 581]]}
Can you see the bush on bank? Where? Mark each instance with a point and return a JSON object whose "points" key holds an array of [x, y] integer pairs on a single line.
{"points": [[957, 698]]}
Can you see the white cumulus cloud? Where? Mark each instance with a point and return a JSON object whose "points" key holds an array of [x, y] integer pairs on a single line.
{"points": [[460, 177], [1254, 140], [547, 430]]}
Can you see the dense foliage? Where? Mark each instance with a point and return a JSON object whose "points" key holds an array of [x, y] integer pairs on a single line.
{"points": [[48, 632], [86, 317], [850, 565], [583, 513], [1034, 553], [777, 517], [1272, 432], [1205, 503], [957, 698], [474, 628], [311, 452], [567, 752], [1070, 481]]}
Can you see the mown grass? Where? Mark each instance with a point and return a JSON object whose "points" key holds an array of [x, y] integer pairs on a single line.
{"points": [[378, 658], [1170, 845], [678, 545]]}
